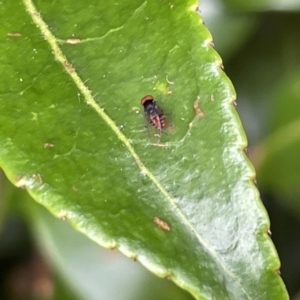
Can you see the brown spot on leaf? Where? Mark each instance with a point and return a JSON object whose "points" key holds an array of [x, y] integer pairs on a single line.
{"points": [[64, 218], [68, 66], [20, 181], [198, 112], [162, 224]]}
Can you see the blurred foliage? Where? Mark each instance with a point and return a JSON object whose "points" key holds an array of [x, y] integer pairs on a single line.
{"points": [[263, 5], [261, 56]]}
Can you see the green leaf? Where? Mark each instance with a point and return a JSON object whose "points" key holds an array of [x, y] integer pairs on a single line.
{"points": [[72, 134]]}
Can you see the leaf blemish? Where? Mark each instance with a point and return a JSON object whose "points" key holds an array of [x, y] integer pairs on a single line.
{"points": [[20, 182], [38, 178], [63, 215], [64, 218], [139, 163], [24, 181], [208, 42], [198, 112], [136, 109], [68, 67], [160, 144], [14, 34], [278, 271], [48, 145], [73, 41], [74, 188], [195, 8], [34, 116], [134, 258], [162, 224], [168, 81]]}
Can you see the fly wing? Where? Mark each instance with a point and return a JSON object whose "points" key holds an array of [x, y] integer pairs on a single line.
{"points": [[154, 134], [169, 127]]}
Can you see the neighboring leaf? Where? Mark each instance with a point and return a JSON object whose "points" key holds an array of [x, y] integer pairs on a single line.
{"points": [[221, 21], [285, 5], [71, 135], [278, 153]]}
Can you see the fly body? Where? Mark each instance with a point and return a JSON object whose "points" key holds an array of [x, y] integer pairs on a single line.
{"points": [[153, 113], [155, 117]]}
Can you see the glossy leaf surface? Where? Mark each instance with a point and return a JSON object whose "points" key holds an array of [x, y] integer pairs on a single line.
{"points": [[72, 134]]}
